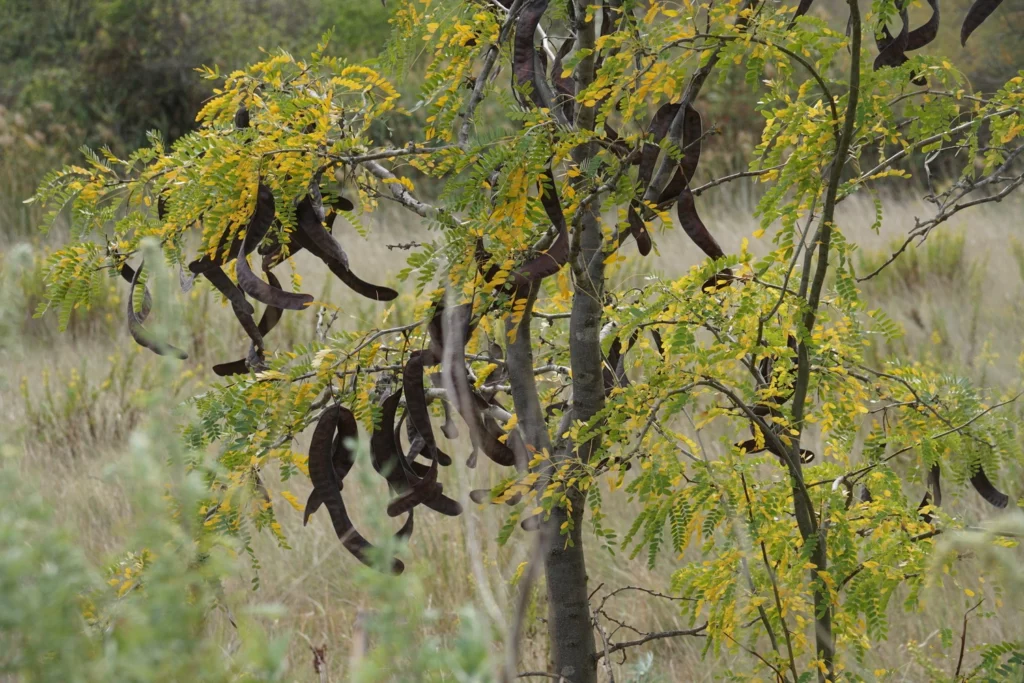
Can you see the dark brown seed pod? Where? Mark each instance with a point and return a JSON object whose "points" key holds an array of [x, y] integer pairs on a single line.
{"points": [[803, 8], [694, 226], [327, 484], [751, 447], [312, 236], [524, 52], [987, 489], [480, 496], [926, 501], [309, 223], [342, 458], [565, 87], [262, 218], [693, 131], [976, 15], [263, 292], [551, 261], [416, 398], [139, 333], [450, 431], [650, 151], [658, 342], [934, 482], [614, 368], [865, 495], [242, 117], [892, 49]]}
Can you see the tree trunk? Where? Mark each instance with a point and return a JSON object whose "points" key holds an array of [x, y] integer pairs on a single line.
{"points": [[570, 632]]}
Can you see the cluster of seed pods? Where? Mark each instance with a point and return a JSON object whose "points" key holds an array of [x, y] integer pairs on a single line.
{"points": [[412, 481]]}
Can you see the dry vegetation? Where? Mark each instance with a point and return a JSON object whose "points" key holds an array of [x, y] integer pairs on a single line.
{"points": [[69, 401]]}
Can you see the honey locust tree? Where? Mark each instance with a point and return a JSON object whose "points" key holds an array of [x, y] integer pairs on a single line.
{"points": [[734, 404]]}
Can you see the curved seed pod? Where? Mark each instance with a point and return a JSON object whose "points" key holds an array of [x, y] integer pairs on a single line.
{"points": [[444, 505], [141, 336], [417, 444], [551, 261], [751, 447], [892, 50], [926, 500], [987, 489], [926, 33], [311, 225], [650, 151], [466, 401], [450, 431], [693, 131], [423, 491], [934, 477], [694, 226], [242, 117], [416, 398], [524, 52], [342, 458], [261, 291], [271, 316], [341, 270], [262, 218], [614, 367], [406, 531], [976, 15], [328, 486], [480, 496], [802, 8], [658, 342], [483, 257]]}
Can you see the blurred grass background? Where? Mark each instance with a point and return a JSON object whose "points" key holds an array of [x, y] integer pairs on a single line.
{"points": [[103, 72]]}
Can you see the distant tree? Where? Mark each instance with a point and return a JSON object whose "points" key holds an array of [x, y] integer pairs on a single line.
{"points": [[733, 403]]}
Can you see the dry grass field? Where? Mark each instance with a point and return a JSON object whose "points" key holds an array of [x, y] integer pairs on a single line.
{"points": [[69, 401]]}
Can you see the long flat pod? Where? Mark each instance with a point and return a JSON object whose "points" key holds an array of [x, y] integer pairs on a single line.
{"points": [[693, 132], [650, 151], [265, 293], [983, 485], [416, 398], [139, 333], [326, 483], [551, 261], [417, 448], [342, 458], [309, 223], [465, 400], [892, 49], [976, 15], [694, 226], [524, 52], [343, 272]]}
